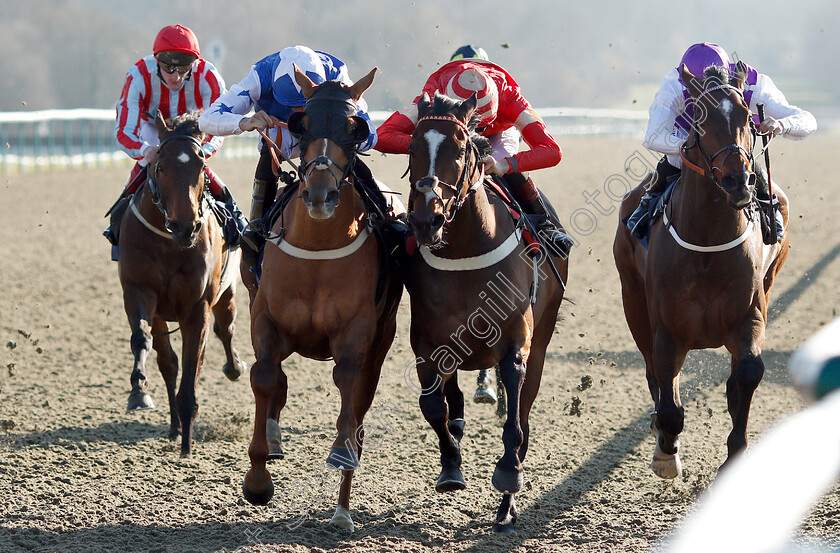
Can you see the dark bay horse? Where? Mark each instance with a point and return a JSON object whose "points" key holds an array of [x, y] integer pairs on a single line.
{"points": [[705, 279], [174, 265], [472, 285], [323, 292]]}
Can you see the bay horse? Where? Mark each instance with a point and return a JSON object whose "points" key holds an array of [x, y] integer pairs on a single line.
{"points": [[471, 287], [324, 292], [174, 265], [704, 281]]}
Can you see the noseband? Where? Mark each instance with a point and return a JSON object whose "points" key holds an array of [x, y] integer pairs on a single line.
{"points": [[461, 189], [726, 150], [157, 199], [326, 163]]}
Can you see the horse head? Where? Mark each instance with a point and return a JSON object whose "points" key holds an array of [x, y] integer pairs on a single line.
{"points": [[445, 157], [329, 131], [177, 180], [722, 133]]}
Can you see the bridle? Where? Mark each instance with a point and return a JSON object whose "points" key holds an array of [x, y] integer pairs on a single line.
{"points": [[731, 149], [461, 189], [325, 163], [157, 199]]}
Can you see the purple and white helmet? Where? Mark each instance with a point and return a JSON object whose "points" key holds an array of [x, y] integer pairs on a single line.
{"points": [[702, 55]]}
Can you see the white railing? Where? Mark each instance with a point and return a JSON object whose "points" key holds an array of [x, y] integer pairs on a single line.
{"points": [[50, 139]]}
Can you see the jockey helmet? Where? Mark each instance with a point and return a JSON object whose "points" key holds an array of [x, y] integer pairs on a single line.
{"points": [[285, 88], [468, 80], [469, 52], [176, 45], [702, 55]]}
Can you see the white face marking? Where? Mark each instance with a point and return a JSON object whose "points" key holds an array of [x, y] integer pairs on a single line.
{"points": [[726, 108], [434, 139], [183, 157]]}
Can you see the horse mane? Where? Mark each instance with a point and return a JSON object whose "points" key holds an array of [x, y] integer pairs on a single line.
{"points": [[444, 105], [186, 124]]}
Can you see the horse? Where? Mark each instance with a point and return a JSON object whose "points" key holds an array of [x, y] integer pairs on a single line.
{"points": [[478, 297], [326, 291], [704, 281], [174, 265]]}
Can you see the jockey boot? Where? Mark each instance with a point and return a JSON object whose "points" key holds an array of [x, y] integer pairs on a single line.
{"points": [[528, 197], [253, 237], [659, 180], [766, 204]]}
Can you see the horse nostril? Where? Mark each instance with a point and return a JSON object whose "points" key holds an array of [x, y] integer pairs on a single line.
{"points": [[332, 198], [437, 221], [305, 196]]}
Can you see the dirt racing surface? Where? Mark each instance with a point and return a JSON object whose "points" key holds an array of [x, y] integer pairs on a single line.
{"points": [[79, 474]]}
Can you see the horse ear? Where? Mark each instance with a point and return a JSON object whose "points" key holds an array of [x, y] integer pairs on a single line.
{"points": [[740, 76], [306, 84], [298, 123], [423, 104], [362, 84], [162, 129], [692, 83], [358, 128], [467, 108]]}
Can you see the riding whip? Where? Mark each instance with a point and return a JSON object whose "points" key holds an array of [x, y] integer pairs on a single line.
{"points": [[764, 141]]}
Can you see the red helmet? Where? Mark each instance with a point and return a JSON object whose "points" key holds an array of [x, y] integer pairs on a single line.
{"points": [[178, 42], [465, 81]]}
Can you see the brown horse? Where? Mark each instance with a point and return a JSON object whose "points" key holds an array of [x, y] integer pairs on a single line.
{"points": [[323, 292], [174, 265], [705, 279], [477, 298]]}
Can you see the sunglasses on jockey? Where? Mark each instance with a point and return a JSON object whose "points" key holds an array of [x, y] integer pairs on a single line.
{"points": [[170, 69]]}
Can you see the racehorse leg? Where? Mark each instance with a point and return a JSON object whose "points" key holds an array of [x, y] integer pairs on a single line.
{"points": [[455, 400], [269, 385], [139, 306], [363, 394], [747, 372], [194, 335], [507, 477], [638, 320], [670, 414], [167, 361], [225, 315], [435, 410], [501, 403], [344, 453]]}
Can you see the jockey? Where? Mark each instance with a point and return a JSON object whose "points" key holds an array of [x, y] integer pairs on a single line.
{"points": [[505, 115], [671, 114], [174, 80], [271, 90]]}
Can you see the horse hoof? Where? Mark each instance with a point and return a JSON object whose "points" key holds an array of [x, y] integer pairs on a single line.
{"points": [[342, 458], [450, 480], [140, 402], [484, 394], [507, 481], [664, 465], [234, 370], [341, 519], [500, 528], [258, 498]]}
